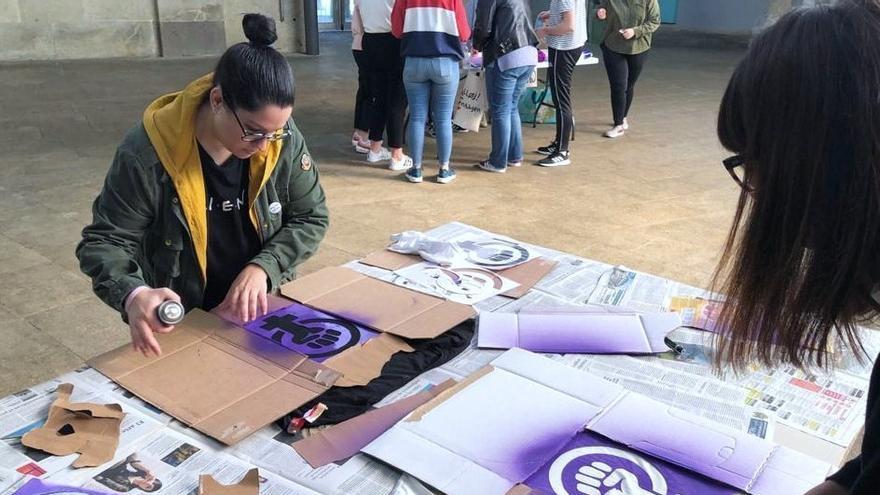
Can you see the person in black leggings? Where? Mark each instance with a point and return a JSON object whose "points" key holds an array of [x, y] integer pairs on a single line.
{"points": [[628, 32], [565, 29]]}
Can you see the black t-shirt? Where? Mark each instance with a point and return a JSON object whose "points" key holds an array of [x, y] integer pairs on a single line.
{"points": [[861, 476], [232, 239]]}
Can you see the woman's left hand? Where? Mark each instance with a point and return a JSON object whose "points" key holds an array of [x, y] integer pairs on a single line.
{"points": [[246, 298], [628, 33]]}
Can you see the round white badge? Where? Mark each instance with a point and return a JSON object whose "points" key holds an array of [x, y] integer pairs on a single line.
{"points": [[275, 208]]}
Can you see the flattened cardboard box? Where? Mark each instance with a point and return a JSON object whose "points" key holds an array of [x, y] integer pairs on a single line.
{"points": [[526, 275], [524, 408], [218, 378], [376, 304]]}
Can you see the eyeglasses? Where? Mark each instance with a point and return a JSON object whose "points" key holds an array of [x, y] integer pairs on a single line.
{"points": [[252, 137], [735, 166]]}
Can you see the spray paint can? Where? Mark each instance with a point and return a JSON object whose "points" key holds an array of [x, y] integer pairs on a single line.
{"points": [[170, 312]]}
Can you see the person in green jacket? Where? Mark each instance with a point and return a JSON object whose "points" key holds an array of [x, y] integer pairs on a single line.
{"points": [[212, 200], [630, 25]]}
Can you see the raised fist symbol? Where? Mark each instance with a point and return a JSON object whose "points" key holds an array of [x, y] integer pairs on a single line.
{"points": [[317, 337], [600, 479]]}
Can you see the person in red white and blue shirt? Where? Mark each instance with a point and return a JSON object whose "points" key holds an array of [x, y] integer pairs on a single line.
{"points": [[431, 35]]}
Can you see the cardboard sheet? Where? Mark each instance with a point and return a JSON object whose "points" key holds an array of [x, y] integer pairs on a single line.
{"points": [[92, 430], [361, 364], [349, 437], [379, 305], [513, 419], [577, 331], [218, 378], [249, 485]]}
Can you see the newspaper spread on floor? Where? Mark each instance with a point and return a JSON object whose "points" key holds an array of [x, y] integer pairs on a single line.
{"points": [[827, 406], [171, 455]]}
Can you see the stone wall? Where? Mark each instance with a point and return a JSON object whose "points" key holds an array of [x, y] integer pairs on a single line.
{"points": [[70, 29]]}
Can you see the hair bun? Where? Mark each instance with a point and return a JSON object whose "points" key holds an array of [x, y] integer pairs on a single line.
{"points": [[259, 29]]}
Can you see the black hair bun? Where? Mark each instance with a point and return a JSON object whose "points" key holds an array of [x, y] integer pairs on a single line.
{"points": [[259, 29]]}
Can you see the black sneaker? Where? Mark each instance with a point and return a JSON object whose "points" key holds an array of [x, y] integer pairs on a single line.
{"points": [[550, 149], [557, 159]]}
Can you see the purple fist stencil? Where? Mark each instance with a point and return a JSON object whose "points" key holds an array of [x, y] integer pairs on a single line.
{"points": [[593, 465], [310, 332]]}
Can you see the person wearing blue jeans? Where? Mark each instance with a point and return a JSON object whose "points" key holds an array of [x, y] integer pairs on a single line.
{"points": [[430, 83], [431, 34], [503, 31], [504, 88]]}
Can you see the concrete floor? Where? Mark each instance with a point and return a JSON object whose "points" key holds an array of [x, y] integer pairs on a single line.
{"points": [[656, 200]]}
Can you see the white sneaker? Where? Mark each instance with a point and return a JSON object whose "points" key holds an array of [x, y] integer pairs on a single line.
{"points": [[362, 147], [404, 163], [355, 139], [625, 124], [379, 156], [615, 132]]}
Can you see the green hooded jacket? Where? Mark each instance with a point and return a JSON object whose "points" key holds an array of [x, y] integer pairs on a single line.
{"points": [[150, 223], [641, 15]]}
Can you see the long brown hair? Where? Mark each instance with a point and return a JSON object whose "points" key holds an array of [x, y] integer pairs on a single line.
{"points": [[802, 258]]}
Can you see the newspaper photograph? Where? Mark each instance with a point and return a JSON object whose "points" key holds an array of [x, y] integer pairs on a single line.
{"points": [[630, 289], [573, 279], [168, 463]]}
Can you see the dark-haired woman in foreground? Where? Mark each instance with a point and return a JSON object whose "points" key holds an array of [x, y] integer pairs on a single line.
{"points": [[802, 263], [213, 200]]}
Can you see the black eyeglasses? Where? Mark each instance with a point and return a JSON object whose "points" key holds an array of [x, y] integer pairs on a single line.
{"points": [[252, 137], [735, 166]]}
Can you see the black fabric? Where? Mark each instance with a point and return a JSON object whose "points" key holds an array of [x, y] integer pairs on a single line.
{"points": [[623, 72], [385, 67], [232, 239], [363, 100], [347, 402], [562, 63], [861, 476]]}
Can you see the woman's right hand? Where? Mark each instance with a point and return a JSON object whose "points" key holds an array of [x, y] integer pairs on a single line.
{"points": [[601, 14], [143, 321], [544, 15]]}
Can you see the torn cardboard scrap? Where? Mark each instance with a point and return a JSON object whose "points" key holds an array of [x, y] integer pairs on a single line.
{"points": [[573, 331], [218, 378], [91, 430], [249, 485], [379, 305], [349, 437], [527, 408]]}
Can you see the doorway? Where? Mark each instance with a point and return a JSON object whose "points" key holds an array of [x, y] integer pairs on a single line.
{"points": [[335, 15]]}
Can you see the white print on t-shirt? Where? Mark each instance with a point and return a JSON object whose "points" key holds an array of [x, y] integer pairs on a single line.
{"points": [[227, 205]]}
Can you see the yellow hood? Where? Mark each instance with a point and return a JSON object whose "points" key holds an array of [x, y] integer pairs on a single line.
{"points": [[170, 125]]}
